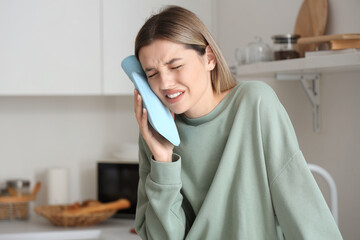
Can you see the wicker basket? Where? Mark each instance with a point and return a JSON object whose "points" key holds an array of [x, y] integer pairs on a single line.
{"points": [[87, 213], [11, 211], [54, 215]]}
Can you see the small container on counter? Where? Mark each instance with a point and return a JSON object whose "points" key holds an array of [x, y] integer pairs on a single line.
{"points": [[285, 46], [57, 180], [257, 51], [17, 188]]}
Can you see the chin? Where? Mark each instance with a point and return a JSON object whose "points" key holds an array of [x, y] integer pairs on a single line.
{"points": [[177, 111]]}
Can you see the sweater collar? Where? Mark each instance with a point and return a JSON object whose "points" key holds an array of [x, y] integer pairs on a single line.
{"points": [[213, 114]]}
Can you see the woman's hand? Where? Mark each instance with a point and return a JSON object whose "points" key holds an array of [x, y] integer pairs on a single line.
{"points": [[161, 148]]}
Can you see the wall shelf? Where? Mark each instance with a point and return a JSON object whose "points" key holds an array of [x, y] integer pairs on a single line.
{"points": [[306, 70], [315, 64]]}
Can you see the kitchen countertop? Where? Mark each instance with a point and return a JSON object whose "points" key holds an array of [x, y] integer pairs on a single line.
{"points": [[39, 228]]}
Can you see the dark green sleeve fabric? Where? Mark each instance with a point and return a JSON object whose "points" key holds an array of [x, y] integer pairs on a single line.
{"points": [[159, 213]]}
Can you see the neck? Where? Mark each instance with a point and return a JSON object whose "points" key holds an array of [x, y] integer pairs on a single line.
{"points": [[208, 106]]}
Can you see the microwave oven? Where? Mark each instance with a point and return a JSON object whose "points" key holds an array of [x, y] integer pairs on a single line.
{"points": [[118, 180]]}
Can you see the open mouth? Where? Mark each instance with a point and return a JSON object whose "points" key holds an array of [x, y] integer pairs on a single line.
{"points": [[171, 96]]}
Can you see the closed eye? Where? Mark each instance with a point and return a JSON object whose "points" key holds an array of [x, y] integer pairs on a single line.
{"points": [[152, 75], [176, 67], [173, 68]]}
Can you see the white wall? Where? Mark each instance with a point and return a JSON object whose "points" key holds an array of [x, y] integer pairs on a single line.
{"points": [[336, 147], [74, 132]]}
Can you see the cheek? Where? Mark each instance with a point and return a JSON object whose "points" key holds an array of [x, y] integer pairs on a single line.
{"points": [[154, 87], [195, 77], [189, 76]]}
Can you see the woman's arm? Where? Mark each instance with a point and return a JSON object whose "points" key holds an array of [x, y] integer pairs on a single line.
{"points": [[299, 205], [159, 213]]}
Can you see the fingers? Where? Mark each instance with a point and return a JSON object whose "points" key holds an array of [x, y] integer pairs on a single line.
{"points": [[144, 124], [160, 148], [137, 106], [141, 115]]}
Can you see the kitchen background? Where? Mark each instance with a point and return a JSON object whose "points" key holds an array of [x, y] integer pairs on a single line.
{"points": [[51, 123]]}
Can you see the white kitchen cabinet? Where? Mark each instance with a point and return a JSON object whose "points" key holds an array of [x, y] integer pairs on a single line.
{"points": [[121, 22], [75, 47], [50, 47]]}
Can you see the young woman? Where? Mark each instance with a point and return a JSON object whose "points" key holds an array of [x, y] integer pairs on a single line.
{"points": [[238, 172]]}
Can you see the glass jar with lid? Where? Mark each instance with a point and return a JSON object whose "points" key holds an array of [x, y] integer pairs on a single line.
{"points": [[285, 46], [257, 51], [18, 187]]}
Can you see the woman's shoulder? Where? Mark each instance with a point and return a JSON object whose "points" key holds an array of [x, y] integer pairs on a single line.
{"points": [[255, 90], [254, 86]]}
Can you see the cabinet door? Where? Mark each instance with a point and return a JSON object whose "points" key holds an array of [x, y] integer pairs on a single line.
{"points": [[50, 47], [121, 22]]}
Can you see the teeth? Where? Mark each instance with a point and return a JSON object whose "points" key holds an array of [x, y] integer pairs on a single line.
{"points": [[173, 95]]}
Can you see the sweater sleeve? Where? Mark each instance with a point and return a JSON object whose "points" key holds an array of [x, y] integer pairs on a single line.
{"points": [[299, 206], [159, 213]]}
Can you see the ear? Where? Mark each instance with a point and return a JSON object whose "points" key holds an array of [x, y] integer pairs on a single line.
{"points": [[210, 58]]}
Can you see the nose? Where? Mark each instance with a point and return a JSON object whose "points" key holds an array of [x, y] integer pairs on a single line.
{"points": [[167, 81]]}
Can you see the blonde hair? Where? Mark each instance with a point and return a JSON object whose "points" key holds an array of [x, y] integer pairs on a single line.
{"points": [[180, 25]]}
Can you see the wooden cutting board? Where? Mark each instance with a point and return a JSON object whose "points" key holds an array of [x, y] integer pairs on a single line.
{"points": [[334, 42], [311, 21], [327, 38]]}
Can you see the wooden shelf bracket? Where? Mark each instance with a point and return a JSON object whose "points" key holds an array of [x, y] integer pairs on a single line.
{"points": [[311, 85]]}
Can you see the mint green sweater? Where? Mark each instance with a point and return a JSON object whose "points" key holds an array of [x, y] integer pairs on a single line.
{"points": [[237, 174]]}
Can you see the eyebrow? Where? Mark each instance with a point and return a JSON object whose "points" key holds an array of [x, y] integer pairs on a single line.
{"points": [[167, 63]]}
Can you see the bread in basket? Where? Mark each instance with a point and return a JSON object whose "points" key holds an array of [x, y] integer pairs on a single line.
{"points": [[88, 213]]}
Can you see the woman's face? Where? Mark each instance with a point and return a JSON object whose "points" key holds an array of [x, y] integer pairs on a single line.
{"points": [[180, 77]]}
